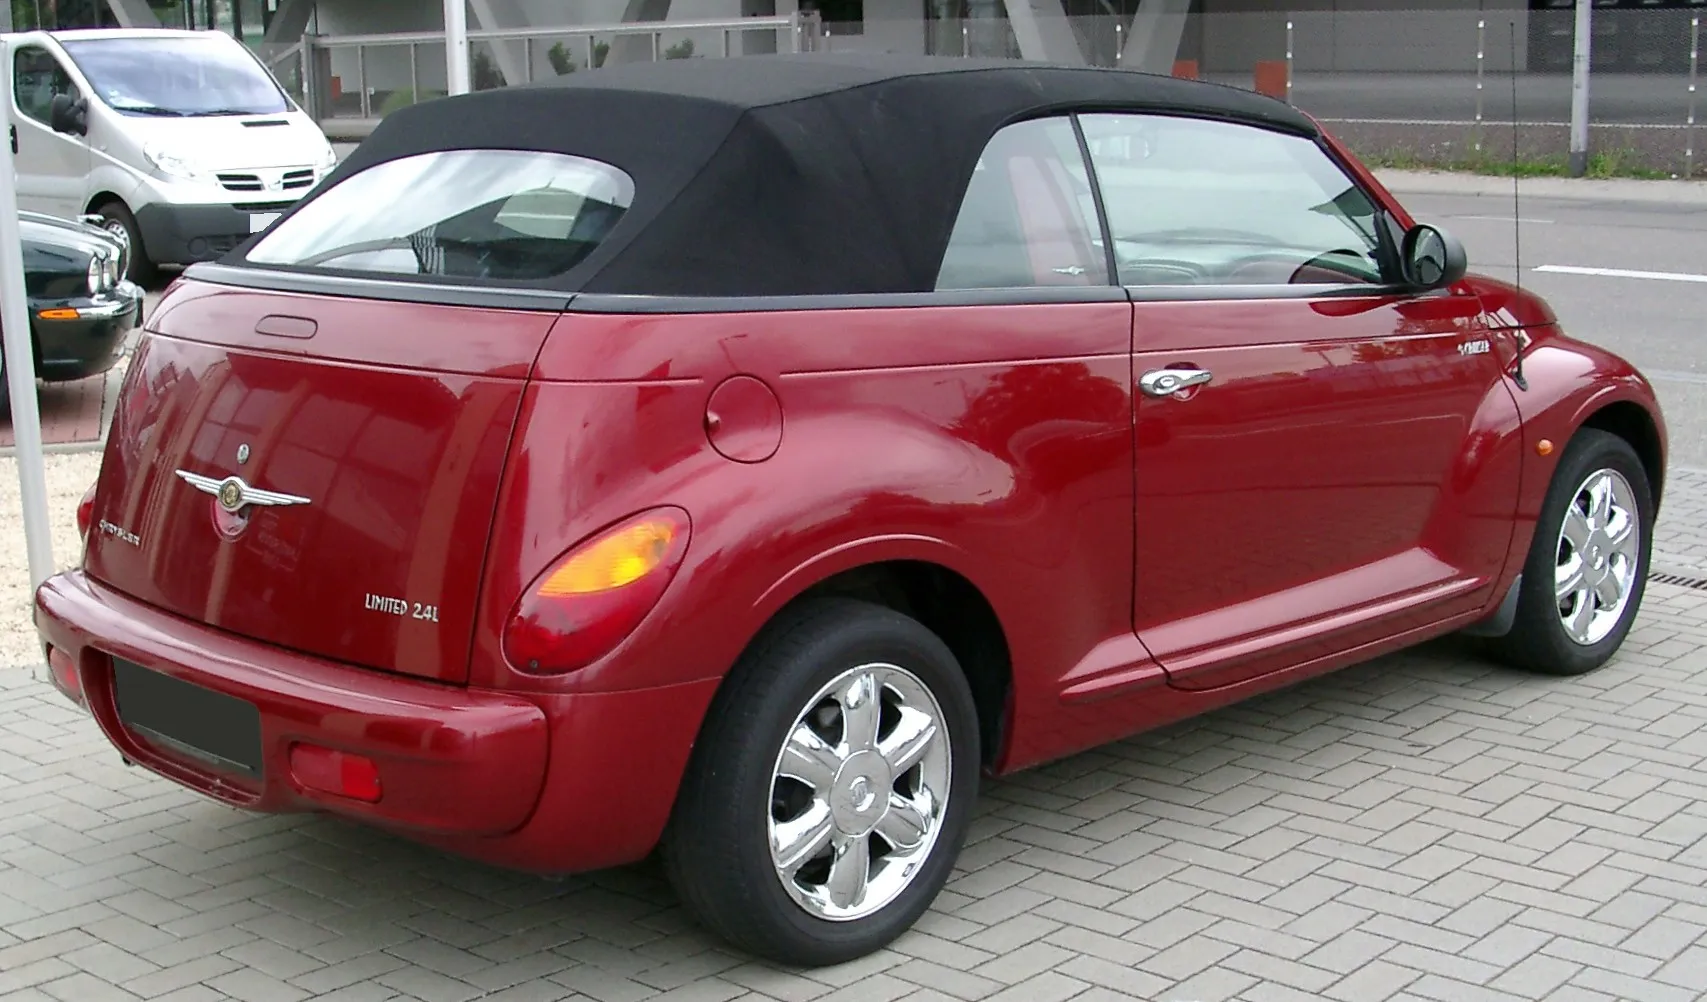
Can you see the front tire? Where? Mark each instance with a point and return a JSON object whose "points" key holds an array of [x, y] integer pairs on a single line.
{"points": [[831, 789], [118, 220], [1587, 568]]}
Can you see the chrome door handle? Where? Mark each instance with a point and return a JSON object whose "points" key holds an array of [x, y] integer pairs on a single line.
{"points": [[1167, 382]]}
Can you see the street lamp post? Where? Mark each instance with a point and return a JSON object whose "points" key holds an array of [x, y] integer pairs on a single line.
{"points": [[456, 45], [20, 367], [1579, 89]]}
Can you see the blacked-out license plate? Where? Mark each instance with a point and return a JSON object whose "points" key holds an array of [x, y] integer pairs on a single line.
{"points": [[209, 725]]}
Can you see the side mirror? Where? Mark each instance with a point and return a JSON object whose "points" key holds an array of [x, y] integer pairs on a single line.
{"points": [[1432, 258], [70, 115]]}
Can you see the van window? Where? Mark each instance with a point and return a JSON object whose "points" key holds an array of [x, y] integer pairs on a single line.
{"points": [[487, 214], [36, 78], [174, 76]]}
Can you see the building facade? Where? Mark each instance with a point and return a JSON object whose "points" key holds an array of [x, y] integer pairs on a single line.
{"points": [[352, 61]]}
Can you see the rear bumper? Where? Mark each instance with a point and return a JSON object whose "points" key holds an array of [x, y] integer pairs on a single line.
{"points": [[452, 761], [547, 783]]}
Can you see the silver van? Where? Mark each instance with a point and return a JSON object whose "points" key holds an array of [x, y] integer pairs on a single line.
{"points": [[180, 141]]}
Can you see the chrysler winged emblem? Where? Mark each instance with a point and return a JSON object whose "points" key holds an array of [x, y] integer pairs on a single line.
{"points": [[233, 494]]}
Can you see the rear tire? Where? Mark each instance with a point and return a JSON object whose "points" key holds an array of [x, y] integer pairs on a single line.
{"points": [[831, 788], [118, 220], [1586, 572]]}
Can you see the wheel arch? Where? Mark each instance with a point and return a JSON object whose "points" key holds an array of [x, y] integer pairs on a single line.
{"points": [[925, 586], [948, 604], [1635, 424], [102, 197]]}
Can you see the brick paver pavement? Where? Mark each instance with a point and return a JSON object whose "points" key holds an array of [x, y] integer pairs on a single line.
{"points": [[1425, 827], [71, 413], [1680, 537]]}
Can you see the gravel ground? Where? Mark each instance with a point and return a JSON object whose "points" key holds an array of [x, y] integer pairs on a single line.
{"points": [[68, 476]]}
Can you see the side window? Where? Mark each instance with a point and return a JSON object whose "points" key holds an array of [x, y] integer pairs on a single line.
{"points": [[1028, 218], [36, 78], [1198, 202]]}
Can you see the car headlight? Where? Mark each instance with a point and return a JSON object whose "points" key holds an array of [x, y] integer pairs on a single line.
{"points": [[328, 159], [103, 274], [174, 164]]}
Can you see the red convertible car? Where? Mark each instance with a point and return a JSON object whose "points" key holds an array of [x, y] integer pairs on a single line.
{"points": [[742, 458]]}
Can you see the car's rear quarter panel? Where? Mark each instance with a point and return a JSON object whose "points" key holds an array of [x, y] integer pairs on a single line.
{"points": [[995, 441]]}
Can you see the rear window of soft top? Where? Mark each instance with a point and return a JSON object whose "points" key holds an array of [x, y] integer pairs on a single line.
{"points": [[502, 215]]}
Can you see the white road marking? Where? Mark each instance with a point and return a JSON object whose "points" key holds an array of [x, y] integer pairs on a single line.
{"points": [[1660, 276], [1672, 376], [1507, 219]]}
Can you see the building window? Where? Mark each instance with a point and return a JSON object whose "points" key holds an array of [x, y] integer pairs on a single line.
{"points": [[969, 28], [840, 17]]}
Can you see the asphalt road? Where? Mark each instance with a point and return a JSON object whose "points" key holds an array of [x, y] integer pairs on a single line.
{"points": [[1656, 322]]}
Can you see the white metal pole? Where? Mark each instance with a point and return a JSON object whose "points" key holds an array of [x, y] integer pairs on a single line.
{"points": [[1481, 62], [21, 365], [1288, 60], [1579, 89], [456, 45], [1694, 68]]}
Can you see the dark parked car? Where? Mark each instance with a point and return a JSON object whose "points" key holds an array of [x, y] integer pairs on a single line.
{"points": [[81, 309], [746, 456]]}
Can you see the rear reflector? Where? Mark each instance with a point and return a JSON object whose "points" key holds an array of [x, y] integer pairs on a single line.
{"points": [[65, 674], [329, 771]]}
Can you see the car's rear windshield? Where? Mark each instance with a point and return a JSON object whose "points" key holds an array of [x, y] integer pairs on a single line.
{"points": [[498, 215]]}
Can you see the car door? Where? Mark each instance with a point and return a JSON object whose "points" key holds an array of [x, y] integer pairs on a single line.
{"points": [[1310, 447], [52, 167]]}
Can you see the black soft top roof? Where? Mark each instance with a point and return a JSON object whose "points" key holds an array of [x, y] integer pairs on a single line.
{"points": [[810, 174]]}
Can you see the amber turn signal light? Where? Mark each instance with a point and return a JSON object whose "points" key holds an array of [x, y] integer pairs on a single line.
{"points": [[613, 561], [595, 595]]}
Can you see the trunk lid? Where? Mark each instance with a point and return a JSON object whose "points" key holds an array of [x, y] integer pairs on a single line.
{"points": [[383, 425]]}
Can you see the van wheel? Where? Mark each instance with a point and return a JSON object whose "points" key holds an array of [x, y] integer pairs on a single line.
{"points": [[1587, 568], [117, 220], [831, 789]]}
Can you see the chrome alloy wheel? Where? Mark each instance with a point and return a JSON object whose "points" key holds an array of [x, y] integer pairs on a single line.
{"points": [[117, 231], [858, 792], [1598, 556]]}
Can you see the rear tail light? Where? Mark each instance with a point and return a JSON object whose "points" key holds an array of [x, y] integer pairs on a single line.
{"points": [[86, 513], [596, 594]]}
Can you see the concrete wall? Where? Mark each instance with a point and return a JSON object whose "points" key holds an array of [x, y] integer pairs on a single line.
{"points": [[1230, 36]]}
